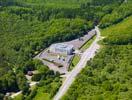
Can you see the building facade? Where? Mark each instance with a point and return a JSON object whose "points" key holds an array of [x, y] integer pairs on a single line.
{"points": [[62, 48]]}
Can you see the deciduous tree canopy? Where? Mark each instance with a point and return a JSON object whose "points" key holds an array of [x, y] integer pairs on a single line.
{"points": [[29, 26]]}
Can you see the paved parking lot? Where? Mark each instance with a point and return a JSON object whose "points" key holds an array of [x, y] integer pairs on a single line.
{"points": [[77, 43], [54, 60], [62, 61]]}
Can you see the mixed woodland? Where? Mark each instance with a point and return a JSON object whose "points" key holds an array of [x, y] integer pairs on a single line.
{"points": [[29, 26], [109, 75]]}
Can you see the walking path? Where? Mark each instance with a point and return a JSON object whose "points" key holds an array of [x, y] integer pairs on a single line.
{"points": [[16, 94]]}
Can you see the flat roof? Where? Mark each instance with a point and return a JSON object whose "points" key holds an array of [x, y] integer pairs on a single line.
{"points": [[62, 45]]}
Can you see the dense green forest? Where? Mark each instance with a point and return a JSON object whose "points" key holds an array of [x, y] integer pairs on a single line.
{"points": [[29, 26], [117, 15], [109, 74]]}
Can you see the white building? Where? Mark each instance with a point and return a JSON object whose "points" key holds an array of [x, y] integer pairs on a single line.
{"points": [[62, 48]]}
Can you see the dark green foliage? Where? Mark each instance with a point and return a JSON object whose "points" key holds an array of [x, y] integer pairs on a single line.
{"points": [[29, 26], [49, 81], [22, 82], [104, 2], [108, 75], [21, 39], [117, 15], [43, 72], [32, 94], [8, 82], [36, 77], [1, 96], [105, 79]]}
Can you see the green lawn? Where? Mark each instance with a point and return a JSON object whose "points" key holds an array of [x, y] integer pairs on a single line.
{"points": [[59, 3], [41, 95], [19, 97], [74, 62], [116, 29], [87, 44], [48, 88], [76, 58], [108, 75]]}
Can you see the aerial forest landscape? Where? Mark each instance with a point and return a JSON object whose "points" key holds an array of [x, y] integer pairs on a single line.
{"points": [[65, 49]]}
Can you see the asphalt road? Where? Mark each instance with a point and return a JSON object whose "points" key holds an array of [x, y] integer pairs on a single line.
{"points": [[87, 55]]}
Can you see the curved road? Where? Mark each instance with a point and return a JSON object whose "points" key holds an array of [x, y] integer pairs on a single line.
{"points": [[87, 55]]}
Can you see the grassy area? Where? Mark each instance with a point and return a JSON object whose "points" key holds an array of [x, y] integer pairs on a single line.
{"points": [[74, 62], [87, 44], [19, 97], [76, 58], [108, 75], [41, 95], [116, 29], [59, 3], [47, 91]]}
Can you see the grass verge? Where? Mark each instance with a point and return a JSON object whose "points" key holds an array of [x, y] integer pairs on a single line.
{"points": [[87, 44], [74, 62]]}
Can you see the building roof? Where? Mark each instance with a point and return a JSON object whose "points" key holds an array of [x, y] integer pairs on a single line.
{"points": [[62, 46]]}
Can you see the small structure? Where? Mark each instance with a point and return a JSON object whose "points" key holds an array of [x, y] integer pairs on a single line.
{"points": [[7, 94], [80, 39], [29, 73], [62, 48]]}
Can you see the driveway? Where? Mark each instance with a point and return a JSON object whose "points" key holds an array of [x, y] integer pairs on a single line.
{"points": [[87, 55]]}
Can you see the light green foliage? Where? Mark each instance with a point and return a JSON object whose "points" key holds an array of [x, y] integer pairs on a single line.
{"points": [[117, 14], [74, 62], [41, 96], [108, 75], [119, 34], [49, 83], [55, 3], [87, 44], [47, 87], [29, 26], [76, 58], [19, 97]]}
